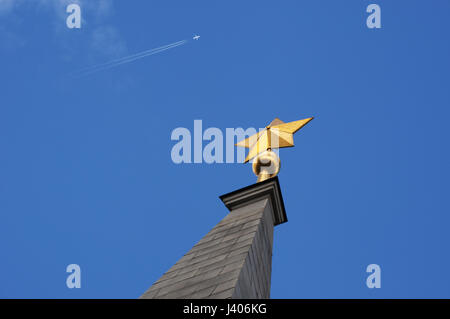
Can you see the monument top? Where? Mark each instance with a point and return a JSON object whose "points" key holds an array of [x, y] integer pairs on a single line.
{"points": [[270, 188]]}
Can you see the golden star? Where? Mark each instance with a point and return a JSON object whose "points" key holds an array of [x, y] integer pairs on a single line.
{"points": [[276, 135]]}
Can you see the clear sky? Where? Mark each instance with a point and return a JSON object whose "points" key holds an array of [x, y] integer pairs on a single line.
{"points": [[86, 175]]}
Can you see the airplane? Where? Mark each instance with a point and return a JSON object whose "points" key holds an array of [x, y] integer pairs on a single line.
{"points": [[196, 37]]}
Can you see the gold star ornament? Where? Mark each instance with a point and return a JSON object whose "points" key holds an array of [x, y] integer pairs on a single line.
{"points": [[276, 135]]}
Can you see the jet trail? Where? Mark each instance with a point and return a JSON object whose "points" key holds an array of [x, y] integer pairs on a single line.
{"points": [[111, 64]]}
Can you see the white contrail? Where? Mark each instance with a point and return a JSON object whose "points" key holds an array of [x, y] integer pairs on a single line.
{"points": [[127, 59]]}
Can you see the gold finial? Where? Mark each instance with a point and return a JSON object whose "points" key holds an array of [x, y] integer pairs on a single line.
{"points": [[276, 135]]}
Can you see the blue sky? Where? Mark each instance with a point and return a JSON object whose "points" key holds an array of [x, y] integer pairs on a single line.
{"points": [[86, 175]]}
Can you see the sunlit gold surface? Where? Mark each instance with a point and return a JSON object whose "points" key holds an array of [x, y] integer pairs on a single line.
{"points": [[266, 165], [276, 135]]}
